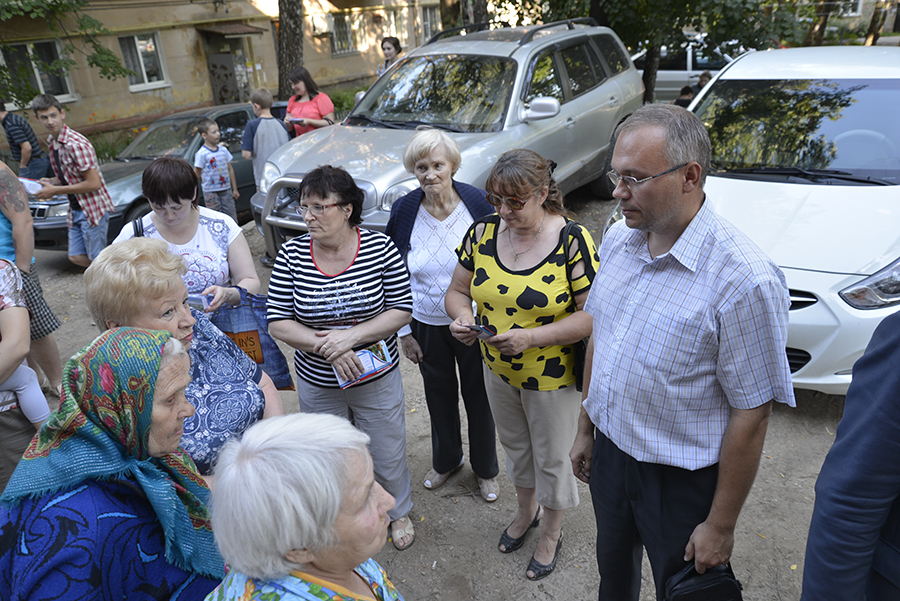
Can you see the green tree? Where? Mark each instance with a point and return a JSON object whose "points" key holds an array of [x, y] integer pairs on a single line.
{"points": [[79, 33], [652, 24]]}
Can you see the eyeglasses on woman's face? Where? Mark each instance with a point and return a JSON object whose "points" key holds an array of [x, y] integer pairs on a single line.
{"points": [[316, 210], [513, 203], [633, 183]]}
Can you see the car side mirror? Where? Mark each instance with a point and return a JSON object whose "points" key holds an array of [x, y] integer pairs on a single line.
{"points": [[542, 107], [358, 96]]}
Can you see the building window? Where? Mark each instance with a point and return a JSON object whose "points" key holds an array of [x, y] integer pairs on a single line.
{"points": [[349, 34], [431, 21], [396, 25], [851, 8], [30, 60], [142, 54]]}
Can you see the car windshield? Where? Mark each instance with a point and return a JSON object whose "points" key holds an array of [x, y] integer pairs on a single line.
{"points": [[167, 137], [459, 92], [810, 124]]}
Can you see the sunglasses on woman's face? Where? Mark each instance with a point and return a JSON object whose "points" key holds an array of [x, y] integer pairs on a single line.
{"points": [[513, 203]]}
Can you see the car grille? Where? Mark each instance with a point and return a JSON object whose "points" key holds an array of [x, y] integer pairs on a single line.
{"points": [[801, 299], [797, 358], [39, 212]]}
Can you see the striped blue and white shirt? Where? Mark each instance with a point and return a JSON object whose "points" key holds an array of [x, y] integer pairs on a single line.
{"points": [[375, 282], [681, 338]]}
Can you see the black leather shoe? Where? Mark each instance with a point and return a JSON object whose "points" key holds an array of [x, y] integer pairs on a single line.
{"points": [[540, 570], [267, 261], [510, 543]]}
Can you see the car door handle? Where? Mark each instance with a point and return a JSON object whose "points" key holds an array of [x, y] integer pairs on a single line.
{"points": [[570, 123], [613, 101]]}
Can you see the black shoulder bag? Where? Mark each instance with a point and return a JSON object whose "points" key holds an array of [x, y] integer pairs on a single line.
{"points": [[580, 347], [715, 584]]}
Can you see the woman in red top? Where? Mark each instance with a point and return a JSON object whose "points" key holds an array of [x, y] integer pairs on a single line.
{"points": [[309, 108]]}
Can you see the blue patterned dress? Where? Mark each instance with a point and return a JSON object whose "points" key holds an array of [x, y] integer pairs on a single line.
{"points": [[224, 390]]}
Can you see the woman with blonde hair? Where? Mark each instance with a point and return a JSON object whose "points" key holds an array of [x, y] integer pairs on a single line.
{"points": [[139, 283]]}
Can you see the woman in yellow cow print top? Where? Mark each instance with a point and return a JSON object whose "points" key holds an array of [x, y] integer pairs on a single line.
{"points": [[513, 264]]}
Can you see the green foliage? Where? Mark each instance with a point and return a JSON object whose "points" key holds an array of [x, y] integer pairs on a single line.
{"points": [[343, 99], [78, 32], [651, 24], [545, 11]]}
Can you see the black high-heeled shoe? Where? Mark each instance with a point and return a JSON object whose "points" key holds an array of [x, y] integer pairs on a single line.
{"points": [[510, 543], [541, 570]]}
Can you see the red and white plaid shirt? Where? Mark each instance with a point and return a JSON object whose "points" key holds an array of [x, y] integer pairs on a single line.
{"points": [[77, 156]]}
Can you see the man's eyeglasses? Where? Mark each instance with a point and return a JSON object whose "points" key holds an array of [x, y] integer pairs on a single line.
{"points": [[633, 183], [513, 203], [315, 210]]}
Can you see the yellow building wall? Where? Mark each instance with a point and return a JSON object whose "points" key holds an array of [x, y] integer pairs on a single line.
{"points": [[102, 104]]}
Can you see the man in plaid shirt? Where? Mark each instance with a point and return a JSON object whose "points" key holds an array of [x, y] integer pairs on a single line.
{"points": [[685, 362], [78, 177]]}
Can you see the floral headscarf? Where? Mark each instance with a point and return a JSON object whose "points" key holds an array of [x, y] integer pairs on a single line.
{"points": [[101, 431]]}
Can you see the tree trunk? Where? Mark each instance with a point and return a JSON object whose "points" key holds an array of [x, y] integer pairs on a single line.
{"points": [[816, 34], [599, 13], [651, 66], [474, 11], [876, 23], [290, 43]]}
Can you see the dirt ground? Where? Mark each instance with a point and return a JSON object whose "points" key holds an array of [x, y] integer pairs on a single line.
{"points": [[455, 555]]}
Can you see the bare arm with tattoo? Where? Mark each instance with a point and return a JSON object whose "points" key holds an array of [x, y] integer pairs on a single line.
{"points": [[14, 205]]}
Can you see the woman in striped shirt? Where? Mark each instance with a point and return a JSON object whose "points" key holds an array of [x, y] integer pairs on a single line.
{"points": [[335, 290]]}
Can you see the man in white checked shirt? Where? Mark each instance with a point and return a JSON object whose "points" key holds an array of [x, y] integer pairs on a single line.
{"points": [[686, 357]]}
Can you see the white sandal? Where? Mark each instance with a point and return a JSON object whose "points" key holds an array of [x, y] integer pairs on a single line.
{"points": [[405, 530]]}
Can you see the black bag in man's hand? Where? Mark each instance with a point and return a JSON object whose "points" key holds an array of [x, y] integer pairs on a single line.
{"points": [[715, 584]]}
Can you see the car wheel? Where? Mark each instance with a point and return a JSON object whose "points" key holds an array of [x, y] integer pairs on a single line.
{"points": [[138, 210]]}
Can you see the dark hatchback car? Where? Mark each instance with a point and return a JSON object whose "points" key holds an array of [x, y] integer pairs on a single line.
{"points": [[173, 136]]}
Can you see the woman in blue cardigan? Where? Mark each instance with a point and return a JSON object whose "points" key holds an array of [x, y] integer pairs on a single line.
{"points": [[426, 225]]}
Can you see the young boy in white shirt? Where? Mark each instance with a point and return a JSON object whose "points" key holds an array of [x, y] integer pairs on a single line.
{"points": [[212, 163]]}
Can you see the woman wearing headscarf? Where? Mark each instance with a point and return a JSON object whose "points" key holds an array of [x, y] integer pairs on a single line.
{"points": [[105, 504]]}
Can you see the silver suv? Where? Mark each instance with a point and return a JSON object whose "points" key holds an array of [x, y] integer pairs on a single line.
{"points": [[559, 89]]}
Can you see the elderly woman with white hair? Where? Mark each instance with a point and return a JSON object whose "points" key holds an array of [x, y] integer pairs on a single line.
{"points": [[298, 515], [427, 225]]}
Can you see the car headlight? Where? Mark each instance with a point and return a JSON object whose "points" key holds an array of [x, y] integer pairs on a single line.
{"points": [[269, 175], [58, 210], [877, 291], [396, 192]]}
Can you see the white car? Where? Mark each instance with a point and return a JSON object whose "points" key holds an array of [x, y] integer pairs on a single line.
{"points": [[806, 161], [682, 66]]}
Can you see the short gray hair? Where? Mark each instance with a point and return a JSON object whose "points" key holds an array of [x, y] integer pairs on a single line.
{"points": [[279, 488], [687, 140], [172, 349], [423, 143]]}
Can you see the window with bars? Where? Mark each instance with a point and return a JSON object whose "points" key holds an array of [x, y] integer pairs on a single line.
{"points": [[30, 61], [431, 21], [349, 34], [142, 54]]}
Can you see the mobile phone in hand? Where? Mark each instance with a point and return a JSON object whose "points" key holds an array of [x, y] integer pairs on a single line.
{"points": [[484, 332]]}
